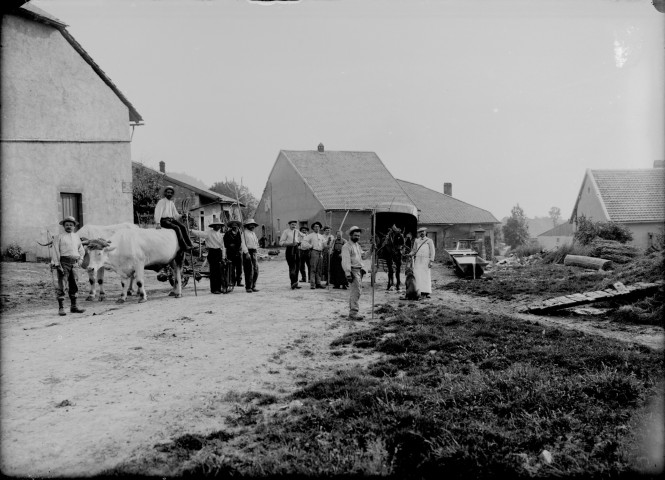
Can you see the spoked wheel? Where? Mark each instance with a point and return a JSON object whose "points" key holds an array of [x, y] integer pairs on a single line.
{"points": [[184, 278]]}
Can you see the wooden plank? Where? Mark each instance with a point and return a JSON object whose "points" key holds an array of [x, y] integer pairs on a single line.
{"points": [[620, 287]]}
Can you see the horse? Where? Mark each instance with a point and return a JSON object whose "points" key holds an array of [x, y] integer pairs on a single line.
{"points": [[392, 249]]}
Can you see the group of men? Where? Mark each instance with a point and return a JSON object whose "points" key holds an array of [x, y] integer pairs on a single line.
{"points": [[310, 249]]}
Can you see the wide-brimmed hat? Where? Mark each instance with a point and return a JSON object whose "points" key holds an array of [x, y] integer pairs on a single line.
{"points": [[215, 221], [327, 226], [317, 223], [250, 221], [421, 229], [292, 221], [355, 229], [69, 219], [233, 223], [168, 187], [304, 227]]}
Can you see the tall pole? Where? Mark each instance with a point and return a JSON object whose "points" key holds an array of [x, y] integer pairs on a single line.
{"points": [[373, 277], [185, 207]]}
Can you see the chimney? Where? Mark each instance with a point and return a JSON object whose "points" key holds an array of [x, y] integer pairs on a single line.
{"points": [[448, 189], [321, 147], [658, 163], [162, 167]]}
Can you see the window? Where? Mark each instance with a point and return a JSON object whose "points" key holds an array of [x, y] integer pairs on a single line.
{"points": [[71, 206]]}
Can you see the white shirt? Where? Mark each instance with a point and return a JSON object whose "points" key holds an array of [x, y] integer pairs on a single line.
{"points": [[213, 239], [427, 248], [290, 237], [67, 245], [248, 240], [352, 256], [314, 240], [165, 208]]}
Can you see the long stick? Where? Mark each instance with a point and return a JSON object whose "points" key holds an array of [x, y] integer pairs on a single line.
{"points": [[373, 258], [340, 228], [49, 242], [185, 206]]}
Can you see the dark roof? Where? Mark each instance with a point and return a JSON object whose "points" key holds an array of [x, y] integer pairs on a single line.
{"points": [[566, 229], [632, 195], [347, 180], [35, 13], [439, 208], [174, 179]]}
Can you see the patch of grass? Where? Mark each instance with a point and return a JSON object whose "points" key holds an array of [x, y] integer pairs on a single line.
{"points": [[468, 396]]}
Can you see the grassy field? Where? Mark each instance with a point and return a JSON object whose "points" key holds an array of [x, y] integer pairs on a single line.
{"points": [[460, 395], [548, 280]]}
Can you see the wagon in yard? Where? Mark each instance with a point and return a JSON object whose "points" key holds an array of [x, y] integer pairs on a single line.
{"points": [[467, 262]]}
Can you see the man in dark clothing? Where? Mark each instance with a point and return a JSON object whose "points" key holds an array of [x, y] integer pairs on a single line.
{"points": [[233, 244]]}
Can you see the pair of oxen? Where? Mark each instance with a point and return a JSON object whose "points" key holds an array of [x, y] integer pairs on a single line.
{"points": [[129, 250]]}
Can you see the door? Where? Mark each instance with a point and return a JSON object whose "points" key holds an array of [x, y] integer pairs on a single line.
{"points": [[71, 206]]}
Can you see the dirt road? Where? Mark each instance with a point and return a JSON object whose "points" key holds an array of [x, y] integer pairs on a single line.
{"points": [[83, 393]]}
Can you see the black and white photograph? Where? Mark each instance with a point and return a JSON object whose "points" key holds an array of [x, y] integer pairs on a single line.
{"points": [[401, 239]]}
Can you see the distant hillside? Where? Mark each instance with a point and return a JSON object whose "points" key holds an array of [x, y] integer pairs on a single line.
{"points": [[536, 225]]}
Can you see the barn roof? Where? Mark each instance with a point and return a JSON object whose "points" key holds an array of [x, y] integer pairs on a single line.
{"points": [[35, 13], [566, 229], [175, 178], [347, 180], [631, 196], [439, 208]]}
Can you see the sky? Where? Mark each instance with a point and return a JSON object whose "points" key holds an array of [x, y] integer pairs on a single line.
{"points": [[509, 100]]}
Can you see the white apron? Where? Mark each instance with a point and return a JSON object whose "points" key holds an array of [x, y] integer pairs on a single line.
{"points": [[420, 264]]}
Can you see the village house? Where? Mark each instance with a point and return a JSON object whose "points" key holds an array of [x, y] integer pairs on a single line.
{"points": [[448, 219], [66, 133], [557, 236], [324, 185], [202, 204], [634, 198]]}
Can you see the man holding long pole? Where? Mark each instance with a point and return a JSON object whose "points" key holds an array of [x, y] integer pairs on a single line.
{"points": [[291, 239], [352, 257]]}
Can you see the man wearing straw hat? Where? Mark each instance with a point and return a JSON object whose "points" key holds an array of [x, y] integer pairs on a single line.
{"points": [[68, 254], [352, 257], [165, 216], [291, 239], [216, 254], [250, 245], [423, 256]]}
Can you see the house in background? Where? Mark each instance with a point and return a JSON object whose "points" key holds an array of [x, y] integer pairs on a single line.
{"points": [[448, 219], [202, 203], [557, 236], [322, 185], [634, 198], [66, 133]]}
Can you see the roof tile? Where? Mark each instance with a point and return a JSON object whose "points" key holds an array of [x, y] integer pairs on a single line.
{"points": [[632, 195]]}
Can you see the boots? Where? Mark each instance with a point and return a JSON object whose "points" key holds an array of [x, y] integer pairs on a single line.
{"points": [[74, 308], [61, 308]]}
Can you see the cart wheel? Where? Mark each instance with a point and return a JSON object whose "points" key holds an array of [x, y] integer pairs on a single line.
{"points": [[184, 278]]}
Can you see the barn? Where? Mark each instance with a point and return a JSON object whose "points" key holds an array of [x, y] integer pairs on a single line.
{"points": [[449, 219], [66, 133], [632, 197], [322, 185]]}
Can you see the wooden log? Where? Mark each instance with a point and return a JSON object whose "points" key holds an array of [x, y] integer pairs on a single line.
{"points": [[586, 262]]}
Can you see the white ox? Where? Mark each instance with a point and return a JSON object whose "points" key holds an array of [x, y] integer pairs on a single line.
{"points": [[96, 275], [129, 252]]}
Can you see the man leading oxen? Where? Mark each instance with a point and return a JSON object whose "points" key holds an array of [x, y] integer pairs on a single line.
{"points": [[131, 251]]}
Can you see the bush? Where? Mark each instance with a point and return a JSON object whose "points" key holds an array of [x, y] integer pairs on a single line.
{"points": [[526, 250], [14, 251], [588, 230]]}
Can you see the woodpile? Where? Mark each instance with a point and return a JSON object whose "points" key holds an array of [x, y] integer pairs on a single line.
{"points": [[612, 250]]}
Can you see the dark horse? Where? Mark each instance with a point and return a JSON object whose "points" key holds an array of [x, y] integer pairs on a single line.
{"points": [[392, 249]]}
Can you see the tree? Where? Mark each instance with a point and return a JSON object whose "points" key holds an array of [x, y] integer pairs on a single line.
{"points": [[145, 192], [231, 188], [516, 231], [555, 215], [588, 230]]}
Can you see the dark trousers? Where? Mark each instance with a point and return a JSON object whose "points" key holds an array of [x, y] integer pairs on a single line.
{"points": [[251, 269], [304, 263], [293, 260], [180, 231], [67, 278], [215, 262], [235, 265]]}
